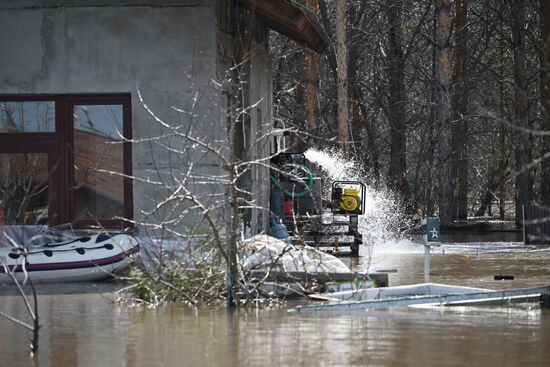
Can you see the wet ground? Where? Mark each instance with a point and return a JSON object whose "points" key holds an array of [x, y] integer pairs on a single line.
{"points": [[90, 330]]}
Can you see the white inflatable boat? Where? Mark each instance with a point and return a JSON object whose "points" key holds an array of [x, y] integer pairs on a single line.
{"points": [[81, 259]]}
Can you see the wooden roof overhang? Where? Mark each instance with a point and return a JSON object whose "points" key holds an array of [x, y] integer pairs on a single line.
{"points": [[294, 20]]}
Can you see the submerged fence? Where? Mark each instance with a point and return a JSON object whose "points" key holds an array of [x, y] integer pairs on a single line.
{"points": [[536, 225]]}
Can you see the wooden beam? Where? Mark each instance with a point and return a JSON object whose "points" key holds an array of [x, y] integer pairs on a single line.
{"points": [[290, 20], [302, 276]]}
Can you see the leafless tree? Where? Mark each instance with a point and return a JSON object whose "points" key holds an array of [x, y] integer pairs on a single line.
{"points": [[32, 310], [460, 96], [342, 62], [443, 75]]}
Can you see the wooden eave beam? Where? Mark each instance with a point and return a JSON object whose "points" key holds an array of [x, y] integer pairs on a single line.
{"points": [[290, 20]]}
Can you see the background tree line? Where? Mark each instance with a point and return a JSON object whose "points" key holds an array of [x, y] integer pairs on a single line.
{"points": [[445, 102]]}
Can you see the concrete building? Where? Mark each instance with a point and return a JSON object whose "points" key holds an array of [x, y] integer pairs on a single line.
{"points": [[105, 104]]}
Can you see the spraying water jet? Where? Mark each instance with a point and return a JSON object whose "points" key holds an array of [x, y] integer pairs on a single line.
{"points": [[297, 201], [382, 224]]}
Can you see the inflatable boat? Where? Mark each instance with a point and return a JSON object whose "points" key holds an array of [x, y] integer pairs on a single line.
{"points": [[81, 259]]}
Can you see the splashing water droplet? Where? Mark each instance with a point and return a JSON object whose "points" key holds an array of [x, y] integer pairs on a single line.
{"points": [[382, 223]]}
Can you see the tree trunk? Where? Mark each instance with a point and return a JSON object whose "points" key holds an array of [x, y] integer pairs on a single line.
{"points": [[370, 154], [430, 195], [342, 66], [355, 79], [443, 79], [312, 85], [299, 140], [396, 102], [325, 20], [460, 109], [497, 176], [356, 124], [504, 149], [416, 191], [544, 15], [523, 181], [432, 126], [232, 213]]}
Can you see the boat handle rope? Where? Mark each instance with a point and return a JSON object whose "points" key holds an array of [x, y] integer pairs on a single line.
{"points": [[107, 246]]}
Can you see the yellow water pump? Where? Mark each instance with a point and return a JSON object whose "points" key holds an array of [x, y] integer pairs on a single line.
{"points": [[349, 200]]}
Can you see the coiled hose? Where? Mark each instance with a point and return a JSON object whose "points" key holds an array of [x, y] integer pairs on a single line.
{"points": [[294, 194]]}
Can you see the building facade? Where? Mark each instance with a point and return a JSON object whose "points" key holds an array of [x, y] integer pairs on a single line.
{"points": [[110, 114]]}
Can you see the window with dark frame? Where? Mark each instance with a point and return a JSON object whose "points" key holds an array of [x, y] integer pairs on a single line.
{"points": [[66, 159]]}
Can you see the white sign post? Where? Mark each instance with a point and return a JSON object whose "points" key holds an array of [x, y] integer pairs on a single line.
{"points": [[431, 232]]}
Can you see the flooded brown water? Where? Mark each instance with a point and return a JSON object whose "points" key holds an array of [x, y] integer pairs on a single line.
{"points": [[90, 330]]}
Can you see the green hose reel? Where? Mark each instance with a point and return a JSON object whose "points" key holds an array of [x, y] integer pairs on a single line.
{"points": [[294, 194]]}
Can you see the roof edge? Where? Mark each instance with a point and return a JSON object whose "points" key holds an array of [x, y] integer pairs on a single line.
{"points": [[291, 19]]}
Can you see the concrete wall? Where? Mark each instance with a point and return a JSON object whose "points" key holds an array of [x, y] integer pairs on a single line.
{"points": [[247, 42], [168, 52], [175, 54], [261, 116]]}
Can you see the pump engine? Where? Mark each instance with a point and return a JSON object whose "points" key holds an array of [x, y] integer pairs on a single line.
{"points": [[347, 197], [296, 201]]}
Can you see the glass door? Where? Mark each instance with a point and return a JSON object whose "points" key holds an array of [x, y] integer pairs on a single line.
{"points": [[24, 188], [28, 161], [98, 162]]}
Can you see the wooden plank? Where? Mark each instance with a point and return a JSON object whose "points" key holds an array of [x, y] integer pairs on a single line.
{"points": [[299, 276], [289, 20], [502, 296]]}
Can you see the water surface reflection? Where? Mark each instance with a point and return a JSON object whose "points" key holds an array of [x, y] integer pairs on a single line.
{"points": [[90, 330]]}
